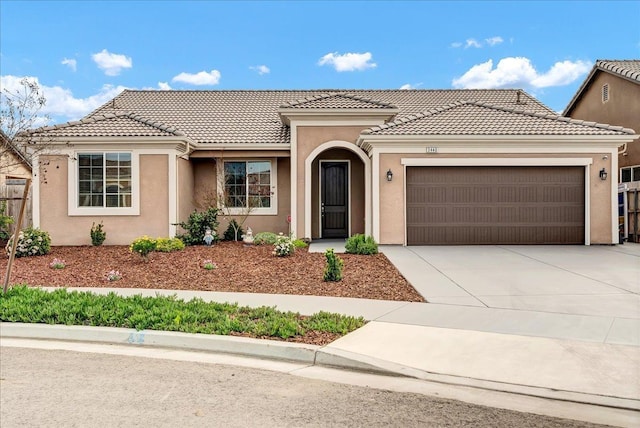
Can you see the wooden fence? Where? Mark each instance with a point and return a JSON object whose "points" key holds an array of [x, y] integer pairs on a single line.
{"points": [[11, 193]]}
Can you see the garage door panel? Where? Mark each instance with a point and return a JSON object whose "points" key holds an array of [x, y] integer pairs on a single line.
{"points": [[495, 205]]}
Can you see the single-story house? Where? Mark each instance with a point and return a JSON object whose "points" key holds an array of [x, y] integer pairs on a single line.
{"points": [[406, 166]]}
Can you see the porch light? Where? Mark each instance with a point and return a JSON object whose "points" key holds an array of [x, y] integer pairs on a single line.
{"points": [[603, 174], [389, 175]]}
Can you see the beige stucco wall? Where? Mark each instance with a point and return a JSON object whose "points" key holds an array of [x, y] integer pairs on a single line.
{"points": [[310, 137], [121, 230], [205, 184], [392, 194], [11, 165], [186, 197], [622, 109]]}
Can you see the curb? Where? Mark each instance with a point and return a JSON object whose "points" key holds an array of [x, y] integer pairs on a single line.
{"points": [[312, 355]]}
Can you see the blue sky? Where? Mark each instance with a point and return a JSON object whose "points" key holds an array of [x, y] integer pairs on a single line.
{"points": [[83, 53]]}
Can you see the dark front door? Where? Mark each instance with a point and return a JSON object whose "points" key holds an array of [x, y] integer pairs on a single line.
{"points": [[334, 199]]}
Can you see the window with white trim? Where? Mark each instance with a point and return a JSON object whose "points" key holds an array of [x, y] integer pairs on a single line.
{"points": [[630, 173], [104, 180], [250, 185], [106, 183]]}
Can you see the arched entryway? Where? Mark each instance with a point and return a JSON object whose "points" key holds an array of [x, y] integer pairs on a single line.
{"points": [[337, 191]]}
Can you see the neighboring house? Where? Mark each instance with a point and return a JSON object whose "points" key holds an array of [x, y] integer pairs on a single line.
{"points": [[406, 166], [14, 166], [611, 94]]}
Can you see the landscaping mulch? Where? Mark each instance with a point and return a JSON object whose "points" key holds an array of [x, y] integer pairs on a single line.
{"points": [[240, 268]]}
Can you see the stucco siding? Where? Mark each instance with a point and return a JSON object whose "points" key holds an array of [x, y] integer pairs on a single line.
{"points": [[186, 198], [622, 109], [121, 230]]}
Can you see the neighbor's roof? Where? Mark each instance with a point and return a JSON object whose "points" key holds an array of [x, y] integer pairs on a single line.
{"points": [[628, 69], [236, 117], [476, 118]]}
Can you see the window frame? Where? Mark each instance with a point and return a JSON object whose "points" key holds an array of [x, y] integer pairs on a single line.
{"points": [[74, 208], [631, 174], [272, 210]]}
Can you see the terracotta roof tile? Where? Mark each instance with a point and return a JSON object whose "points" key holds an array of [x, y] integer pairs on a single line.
{"points": [[626, 68], [479, 118], [341, 100]]}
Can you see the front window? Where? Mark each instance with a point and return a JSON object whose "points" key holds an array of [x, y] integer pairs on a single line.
{"points": [[250, 186], [630, 173], [104, 180]]}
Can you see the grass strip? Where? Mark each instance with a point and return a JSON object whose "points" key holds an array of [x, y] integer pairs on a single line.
{"points": [[168, 313]]}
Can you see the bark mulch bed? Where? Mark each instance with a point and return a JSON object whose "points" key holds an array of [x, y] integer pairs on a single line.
{"points": [[239, 269]]}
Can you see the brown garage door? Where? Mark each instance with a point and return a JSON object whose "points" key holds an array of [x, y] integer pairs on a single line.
{"points": [[495, 205]]}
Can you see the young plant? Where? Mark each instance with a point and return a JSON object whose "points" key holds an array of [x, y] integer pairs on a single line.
{"points": [[98, 235], [268, 238], [113, 275], [143, 246], [234, 231], [361, 244], [57, 264], [334, 266], [168, 245], [283, 246], [209, 265]]}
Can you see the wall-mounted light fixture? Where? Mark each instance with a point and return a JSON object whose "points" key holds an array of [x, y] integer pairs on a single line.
{"points": [[603, 174], [389, 175]]}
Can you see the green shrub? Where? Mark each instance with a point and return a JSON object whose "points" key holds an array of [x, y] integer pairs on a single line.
{"points": [[98, 235], [299, 243], [31, 242], [197, 225], [361, 244], [143, 246], [234, 231], [283, 246], [334, 266], [268, 238], [5, 221], [167, 245]]}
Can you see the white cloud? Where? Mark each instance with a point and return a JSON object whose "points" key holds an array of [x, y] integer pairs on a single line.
{"points": [[71, 63], [519, 72], [472, 43], [261, 69], [492, 41], [408, 86], [61, 103], [456, 45], [164, 86], [111, 63], [348, 61], [201, 78]]}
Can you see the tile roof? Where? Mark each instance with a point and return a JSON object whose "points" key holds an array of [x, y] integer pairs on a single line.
{"points": [[629, 68], [117, 124], [236, 117], [477, 118], [333, 100]]}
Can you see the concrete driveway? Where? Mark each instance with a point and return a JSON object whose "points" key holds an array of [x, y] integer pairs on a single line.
{"points": [[581, 280]]}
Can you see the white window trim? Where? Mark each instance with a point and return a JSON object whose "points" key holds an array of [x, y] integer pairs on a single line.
{"points": [[630, 168], [272, 210], [72, 188]]}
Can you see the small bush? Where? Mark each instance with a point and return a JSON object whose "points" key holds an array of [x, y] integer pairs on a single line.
{"points": [[268, 238], [283, 246], [197, 225], [167, 245], [234, 231], [143, 246], [299, 243], [334, 266], [31, 242], [5, 221], [361, 244], [98, 235]]}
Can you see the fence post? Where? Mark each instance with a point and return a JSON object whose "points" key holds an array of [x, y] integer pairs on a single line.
{"points": [[27, 184]]}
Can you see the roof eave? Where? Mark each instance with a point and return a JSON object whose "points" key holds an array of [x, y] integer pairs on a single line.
{"points": [[286, 114]]}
